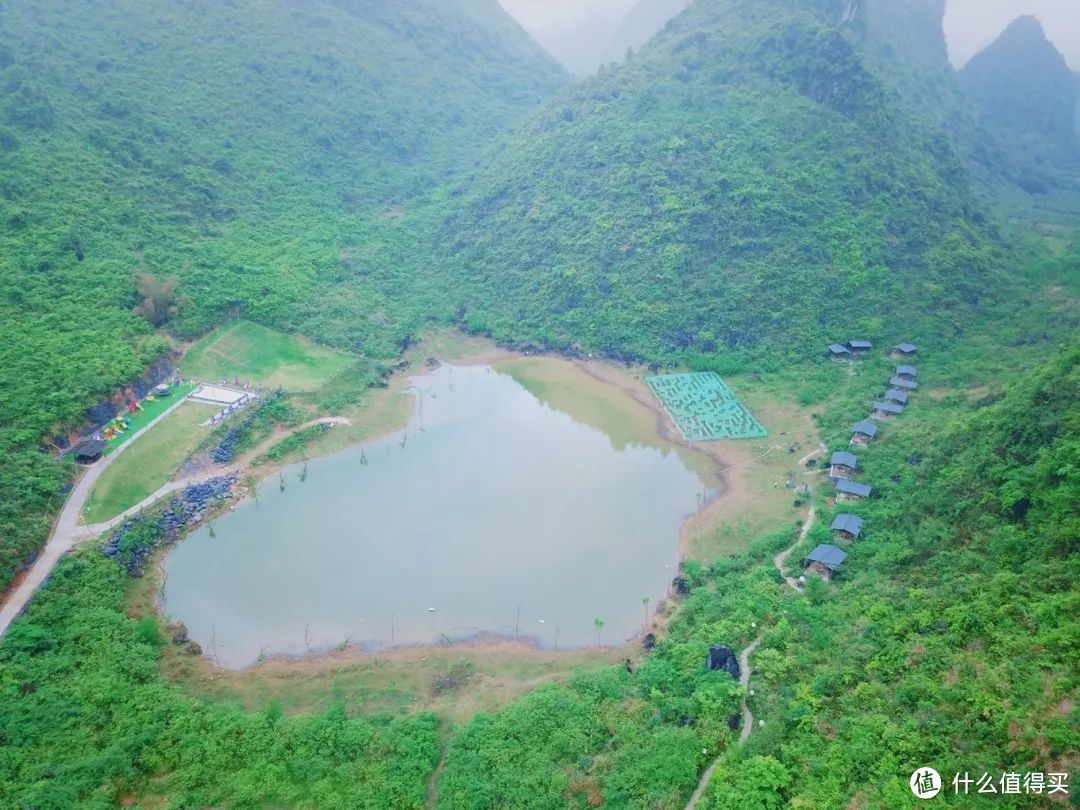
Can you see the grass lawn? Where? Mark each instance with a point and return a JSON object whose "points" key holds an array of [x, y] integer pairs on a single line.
{"points": [[150, 462], [151, 410], [257, 354]]}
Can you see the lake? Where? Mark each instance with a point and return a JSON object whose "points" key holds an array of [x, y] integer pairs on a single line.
{"points": [[507, 506]]}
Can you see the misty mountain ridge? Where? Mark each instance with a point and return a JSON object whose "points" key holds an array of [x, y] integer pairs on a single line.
{"points": [[1027, 97], [640, 24]]}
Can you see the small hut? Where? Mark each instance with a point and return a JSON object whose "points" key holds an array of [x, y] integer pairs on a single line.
{"points": [[903, 385], [860, 346], [908, 373], [897, 396], [824, 560], [862, 433], [842, 465], [89, 451], [847, 527], [851, 491], [905, 350], [838, 352], [887, 410]]}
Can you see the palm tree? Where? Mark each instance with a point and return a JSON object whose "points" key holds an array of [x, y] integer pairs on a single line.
{"points": [[645, 602], [599, 626]]}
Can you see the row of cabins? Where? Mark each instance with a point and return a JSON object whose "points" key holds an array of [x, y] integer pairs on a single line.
{"points": [[855, 348], [844, 465]]}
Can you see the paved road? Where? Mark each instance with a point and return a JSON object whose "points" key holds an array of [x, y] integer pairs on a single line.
{"points": [[68, 532]]}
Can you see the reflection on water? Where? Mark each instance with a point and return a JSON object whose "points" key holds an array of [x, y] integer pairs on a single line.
{"points": [[491, 512]]}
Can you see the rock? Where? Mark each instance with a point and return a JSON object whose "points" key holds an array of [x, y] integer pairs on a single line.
{"points": [[193, 648], [681, 585], [722, 658], [648, 642]]}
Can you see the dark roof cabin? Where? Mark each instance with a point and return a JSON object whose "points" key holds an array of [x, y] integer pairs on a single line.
{"points": [[847, 526], [88, 451], [852, 491], [825, 560], [905, 349], [887, 410], [842, 465], [900, 382], [896, 395], [860, 346], [907, 372], [863, 432], [838, 352]]}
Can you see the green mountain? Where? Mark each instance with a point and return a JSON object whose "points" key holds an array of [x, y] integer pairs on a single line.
{"points": [[762, 177], [640, 25], [1027, 98], [260, 153]]}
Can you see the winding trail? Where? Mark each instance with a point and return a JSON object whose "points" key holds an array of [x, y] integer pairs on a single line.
{"points": [[744, 657], [68, 532]]}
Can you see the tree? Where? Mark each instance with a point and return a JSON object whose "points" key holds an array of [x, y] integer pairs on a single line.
{"points": [[599, 626], [160, 301]]}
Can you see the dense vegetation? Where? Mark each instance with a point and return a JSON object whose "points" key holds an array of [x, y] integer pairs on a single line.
{"points": [[206, 160], [948, 640], [760, 177]]}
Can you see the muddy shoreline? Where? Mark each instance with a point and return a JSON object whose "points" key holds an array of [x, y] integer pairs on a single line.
{"points": [[398, 384]]}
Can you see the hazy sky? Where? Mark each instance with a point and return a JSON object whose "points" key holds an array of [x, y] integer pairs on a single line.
{"points": [[970, 24]]}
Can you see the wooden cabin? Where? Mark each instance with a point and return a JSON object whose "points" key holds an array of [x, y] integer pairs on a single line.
{"points": [[852, 491], [860, 346], [862, 433], [824, 560], [89, 451], [842, 465], [903, 385], [887, 410], [908, 373], [847, 527], [905, 350], [838, 353], [897, 396]]}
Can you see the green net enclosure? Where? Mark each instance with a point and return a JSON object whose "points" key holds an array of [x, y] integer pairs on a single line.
{"points": [[704, 408]]}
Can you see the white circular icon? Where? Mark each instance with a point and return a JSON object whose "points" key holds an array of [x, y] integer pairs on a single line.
{"points": [[925, 783]]}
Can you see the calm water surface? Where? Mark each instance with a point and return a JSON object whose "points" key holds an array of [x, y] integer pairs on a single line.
{"points": [[492, 507]]}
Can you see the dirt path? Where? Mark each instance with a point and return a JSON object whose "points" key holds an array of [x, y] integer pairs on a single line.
{"points": [[744, 658], [744, 679]]}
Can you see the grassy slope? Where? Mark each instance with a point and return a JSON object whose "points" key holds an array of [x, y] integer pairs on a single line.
{"points": [[260, 355]]}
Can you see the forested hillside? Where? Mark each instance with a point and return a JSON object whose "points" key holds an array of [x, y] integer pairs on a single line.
{"points": [[261, 154], [760, 176], [1027, 99]]}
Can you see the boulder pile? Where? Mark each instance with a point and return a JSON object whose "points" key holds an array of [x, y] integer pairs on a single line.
{"points": [[133, 542]]}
